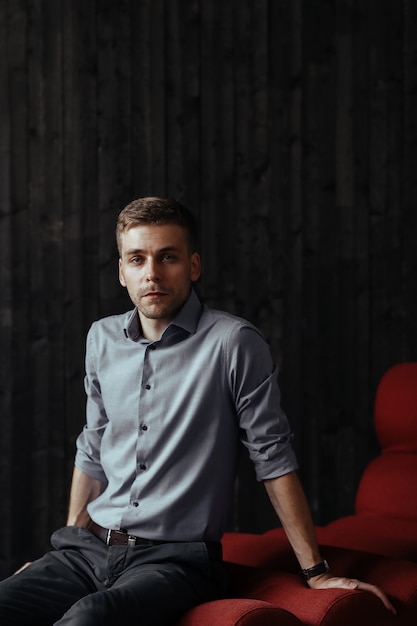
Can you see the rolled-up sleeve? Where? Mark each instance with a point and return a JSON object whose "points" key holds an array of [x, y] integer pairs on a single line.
{"points": [[253, 380], [88, 453]]}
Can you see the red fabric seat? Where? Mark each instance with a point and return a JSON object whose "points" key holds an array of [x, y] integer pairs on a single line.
{"points": [[385, 519], [377, 544], [267, 590], [238, 612]]}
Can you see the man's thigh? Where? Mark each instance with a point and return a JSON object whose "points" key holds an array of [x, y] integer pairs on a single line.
{"points": [[42, 592], [154, 589]]}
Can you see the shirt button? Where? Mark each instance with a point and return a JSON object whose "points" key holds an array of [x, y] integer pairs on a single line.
{"points": [[144, 427], [142, 466], [135, 504], [147, 386]]}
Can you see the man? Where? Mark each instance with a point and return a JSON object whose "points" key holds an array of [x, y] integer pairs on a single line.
{"points": [[172, 388]]}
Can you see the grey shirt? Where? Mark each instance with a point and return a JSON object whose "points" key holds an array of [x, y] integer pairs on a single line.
{"points": [[165, 420]]}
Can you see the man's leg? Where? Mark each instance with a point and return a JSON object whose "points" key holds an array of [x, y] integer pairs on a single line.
{"points": [[44, 591], [150, 586], [41, 593]]}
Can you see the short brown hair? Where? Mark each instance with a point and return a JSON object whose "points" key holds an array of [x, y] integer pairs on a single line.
{"points": [[156, 210]]}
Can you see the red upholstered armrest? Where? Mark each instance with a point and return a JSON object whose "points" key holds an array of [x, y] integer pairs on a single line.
{"points": [[270, 549], [388, 487], [264, 568], [329, 607], [396, 409], [238, 612], [372, 533]]}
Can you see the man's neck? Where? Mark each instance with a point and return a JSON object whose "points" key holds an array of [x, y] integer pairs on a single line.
{"points": [[152, 329]]}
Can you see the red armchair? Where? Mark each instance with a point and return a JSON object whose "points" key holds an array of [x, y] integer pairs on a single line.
{"points": [[377, 544], [385, 518], [267, 590]]}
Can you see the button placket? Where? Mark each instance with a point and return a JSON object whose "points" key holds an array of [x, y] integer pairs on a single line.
{"points": [[145, 407]]}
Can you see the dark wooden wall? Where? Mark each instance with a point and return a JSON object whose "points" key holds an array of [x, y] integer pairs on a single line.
{"points": [[290, 127]]}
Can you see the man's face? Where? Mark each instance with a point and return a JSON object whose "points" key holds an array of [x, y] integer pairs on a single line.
{"points": [[157, 269]]}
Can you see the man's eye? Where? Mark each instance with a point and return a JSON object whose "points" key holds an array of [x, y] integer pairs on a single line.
{"points": [[168, 257], [136, 260]]}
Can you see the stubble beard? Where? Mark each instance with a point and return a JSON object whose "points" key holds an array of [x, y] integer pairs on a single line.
{"points": [[160, 309]]}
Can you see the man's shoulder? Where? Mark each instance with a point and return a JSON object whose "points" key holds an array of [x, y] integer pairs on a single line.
{"points": [[236, 334], [224, 320], [113, 325]]}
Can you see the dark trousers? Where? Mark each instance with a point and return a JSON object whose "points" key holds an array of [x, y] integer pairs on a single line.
{"points": [[83, 582]]}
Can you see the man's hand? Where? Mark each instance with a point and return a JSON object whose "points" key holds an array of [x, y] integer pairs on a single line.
{"points": [[289, 501], [327, 581], [84, 490], [22, 568]]}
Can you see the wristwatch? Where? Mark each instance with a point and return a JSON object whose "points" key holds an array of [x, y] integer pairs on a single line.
{"points": [[316, 570]]}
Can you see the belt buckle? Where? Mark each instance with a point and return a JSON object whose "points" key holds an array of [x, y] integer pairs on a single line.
{"points": [[131, 540], [108, 537]]}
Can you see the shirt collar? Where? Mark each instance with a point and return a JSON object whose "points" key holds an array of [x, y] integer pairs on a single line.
{"points": [[186, 319]]}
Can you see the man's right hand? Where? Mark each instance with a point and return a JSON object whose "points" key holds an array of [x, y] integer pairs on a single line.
{"points": [[23, 567]]}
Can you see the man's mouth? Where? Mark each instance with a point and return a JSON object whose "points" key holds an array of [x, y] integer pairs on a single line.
{"points": [[154, 294]]}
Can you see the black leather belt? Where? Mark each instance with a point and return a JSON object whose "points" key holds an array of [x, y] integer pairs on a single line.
{"points": [[123, 538], [119, 537]]}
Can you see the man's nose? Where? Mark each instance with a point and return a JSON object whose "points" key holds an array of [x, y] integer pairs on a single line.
{"points": [[152, 272]]}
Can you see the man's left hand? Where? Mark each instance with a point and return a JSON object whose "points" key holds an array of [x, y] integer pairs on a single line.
{"points": [[327, 581]]}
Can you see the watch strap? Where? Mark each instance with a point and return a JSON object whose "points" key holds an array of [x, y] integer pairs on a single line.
{"points": [[316, 570]]}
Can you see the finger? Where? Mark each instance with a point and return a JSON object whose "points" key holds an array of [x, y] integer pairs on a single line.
{"points": [[377, 592], [22, 568], [353, 583]]}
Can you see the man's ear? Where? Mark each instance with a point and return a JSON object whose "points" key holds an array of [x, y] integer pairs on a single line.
{"points": [[121, 277], [195, 266]]}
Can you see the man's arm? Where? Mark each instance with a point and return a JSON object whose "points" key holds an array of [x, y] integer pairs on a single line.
{"points": [[289, 501], [84, 490]]}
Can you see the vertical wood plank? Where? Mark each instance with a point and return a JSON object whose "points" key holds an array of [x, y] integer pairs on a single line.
{"points": [[292, 224], [17, 214], [182, 101], [114, 145], [409, 187], [148, 57], [6, 301], [81, 212]]}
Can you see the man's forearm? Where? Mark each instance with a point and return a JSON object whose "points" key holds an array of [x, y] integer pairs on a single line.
{"points": [[84, 489], [289, 501]]}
